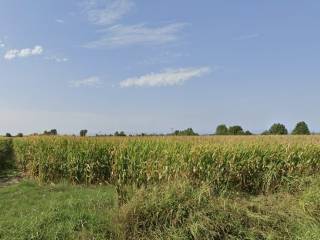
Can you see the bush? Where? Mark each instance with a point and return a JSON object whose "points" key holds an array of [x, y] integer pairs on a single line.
{"points": [[301, 129]]}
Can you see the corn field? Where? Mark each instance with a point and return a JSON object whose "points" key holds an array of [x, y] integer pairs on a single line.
{"points": [[251, 164]]}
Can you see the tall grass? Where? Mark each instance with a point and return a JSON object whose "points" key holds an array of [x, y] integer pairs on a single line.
{"points": [[250, 164], [6, 154]]}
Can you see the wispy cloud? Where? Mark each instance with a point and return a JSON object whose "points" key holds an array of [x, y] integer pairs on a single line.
{"points": [[59, 21], [87, 82], [2, 45], [123, 35], [106, 12], [23, 53], [57, 59], [247, 37], [169, 77]]}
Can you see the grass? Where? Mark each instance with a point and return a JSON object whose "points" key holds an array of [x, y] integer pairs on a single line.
{"points": [[172, 211], [32, 211]]}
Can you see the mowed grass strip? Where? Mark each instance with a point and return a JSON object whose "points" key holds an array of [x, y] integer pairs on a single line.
{"points": [[32, 211]]}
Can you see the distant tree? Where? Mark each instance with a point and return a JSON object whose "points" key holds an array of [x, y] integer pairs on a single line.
{"points": [[83, 132], [8, 135], [222, 130], [235, 130], [278, 129], [52, 132], [247, 133], [120, 134], [186, 132], [301, 129], [19, 135]]}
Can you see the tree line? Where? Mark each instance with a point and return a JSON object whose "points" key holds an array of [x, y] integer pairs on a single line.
{"points": [[301, 128]]}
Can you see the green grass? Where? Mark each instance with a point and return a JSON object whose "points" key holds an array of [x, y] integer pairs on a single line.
{"points": [[31, 211], [177, 210]]}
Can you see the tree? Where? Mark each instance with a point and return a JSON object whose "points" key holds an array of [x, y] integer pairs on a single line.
{"points": [[120, 134], [52, 132], [235, 130], [19, 135], [301, 129], [186, 132], [83, 132], [247, 133], [222, 130], [278, 129], [8, 135]]}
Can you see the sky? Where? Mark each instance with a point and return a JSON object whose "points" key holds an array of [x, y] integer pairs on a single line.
{"points": [[154, 66]]}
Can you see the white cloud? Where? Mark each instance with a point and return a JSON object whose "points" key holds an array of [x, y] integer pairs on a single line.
{"points": [[123, 35], [2, 45], [106, 12], [167, 78], [26, 52], [87, 82]]}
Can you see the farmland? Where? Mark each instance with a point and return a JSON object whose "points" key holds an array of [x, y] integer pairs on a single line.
{"points": [[222, 187]]}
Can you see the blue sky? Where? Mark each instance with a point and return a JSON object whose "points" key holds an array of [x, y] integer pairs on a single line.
{"points": [[153, 66]]}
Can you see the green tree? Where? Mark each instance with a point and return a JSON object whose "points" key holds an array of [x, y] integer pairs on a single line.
{"points": [[222, 130], [83, 132], [278, 129], [247, 133], [8, 135], [120, 134], [301, 129], [186, 132], [235, 130]]}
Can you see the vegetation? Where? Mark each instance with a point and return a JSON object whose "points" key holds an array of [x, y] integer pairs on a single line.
{"points": [[257, 165], [52, 132], [233, 187], [301, 129], [222, 130], [177, 210], [6, 155], [119, 134], [186, 132], [277, 129], [83, 133], [30, 211], [232, 130]]}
